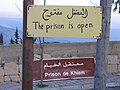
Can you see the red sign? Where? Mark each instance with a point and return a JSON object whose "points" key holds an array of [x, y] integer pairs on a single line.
{"points": [[64, 68]]}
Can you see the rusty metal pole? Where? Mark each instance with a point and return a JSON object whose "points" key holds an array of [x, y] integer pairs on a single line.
{"points": [[27, 73]]}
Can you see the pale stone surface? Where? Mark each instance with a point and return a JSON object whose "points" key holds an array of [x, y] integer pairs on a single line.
{"points": [[1, 71], [20, 68], [7, 79], [38, 57], [11, 68], [15, 78], [11, 59], [3, 61], [112, 59], [46, 56], [112, 68], [20, 60], [20, 75], [20, 72], [1, 78]]}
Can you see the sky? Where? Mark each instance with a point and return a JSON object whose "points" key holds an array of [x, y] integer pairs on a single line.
{"points": [[9, 8]]}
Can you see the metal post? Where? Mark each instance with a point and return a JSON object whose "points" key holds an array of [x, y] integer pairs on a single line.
{"points": [[41, 64], [27, 74], [44, 5], [102, 49]]}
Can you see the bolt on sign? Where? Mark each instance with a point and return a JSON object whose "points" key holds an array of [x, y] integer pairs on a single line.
{"points": [[64, 21]]}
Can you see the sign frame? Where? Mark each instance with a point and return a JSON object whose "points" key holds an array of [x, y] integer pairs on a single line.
{"points": [[65, 68], [64, 21]]}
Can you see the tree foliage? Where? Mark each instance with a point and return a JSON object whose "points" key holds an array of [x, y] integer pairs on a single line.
{"points": [[16, 39], [12, 41], [1, 39], [117, 4], [16, 36]]}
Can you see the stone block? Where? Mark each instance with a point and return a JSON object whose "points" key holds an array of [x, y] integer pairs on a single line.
{"points": [[112, 68], [11, 59], [46, 56], [1, 78], [1, 72], [38, 57], [11, 68], [15, 78], [112, 59], [7, 79]]}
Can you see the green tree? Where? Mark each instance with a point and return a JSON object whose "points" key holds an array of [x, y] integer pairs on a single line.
{"points": [[16, 36], [12, 41], [1, 39], [16, 40]]}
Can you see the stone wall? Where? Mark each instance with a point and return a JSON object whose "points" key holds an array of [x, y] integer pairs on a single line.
{"points": [[59, 50], [11, 56]]}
